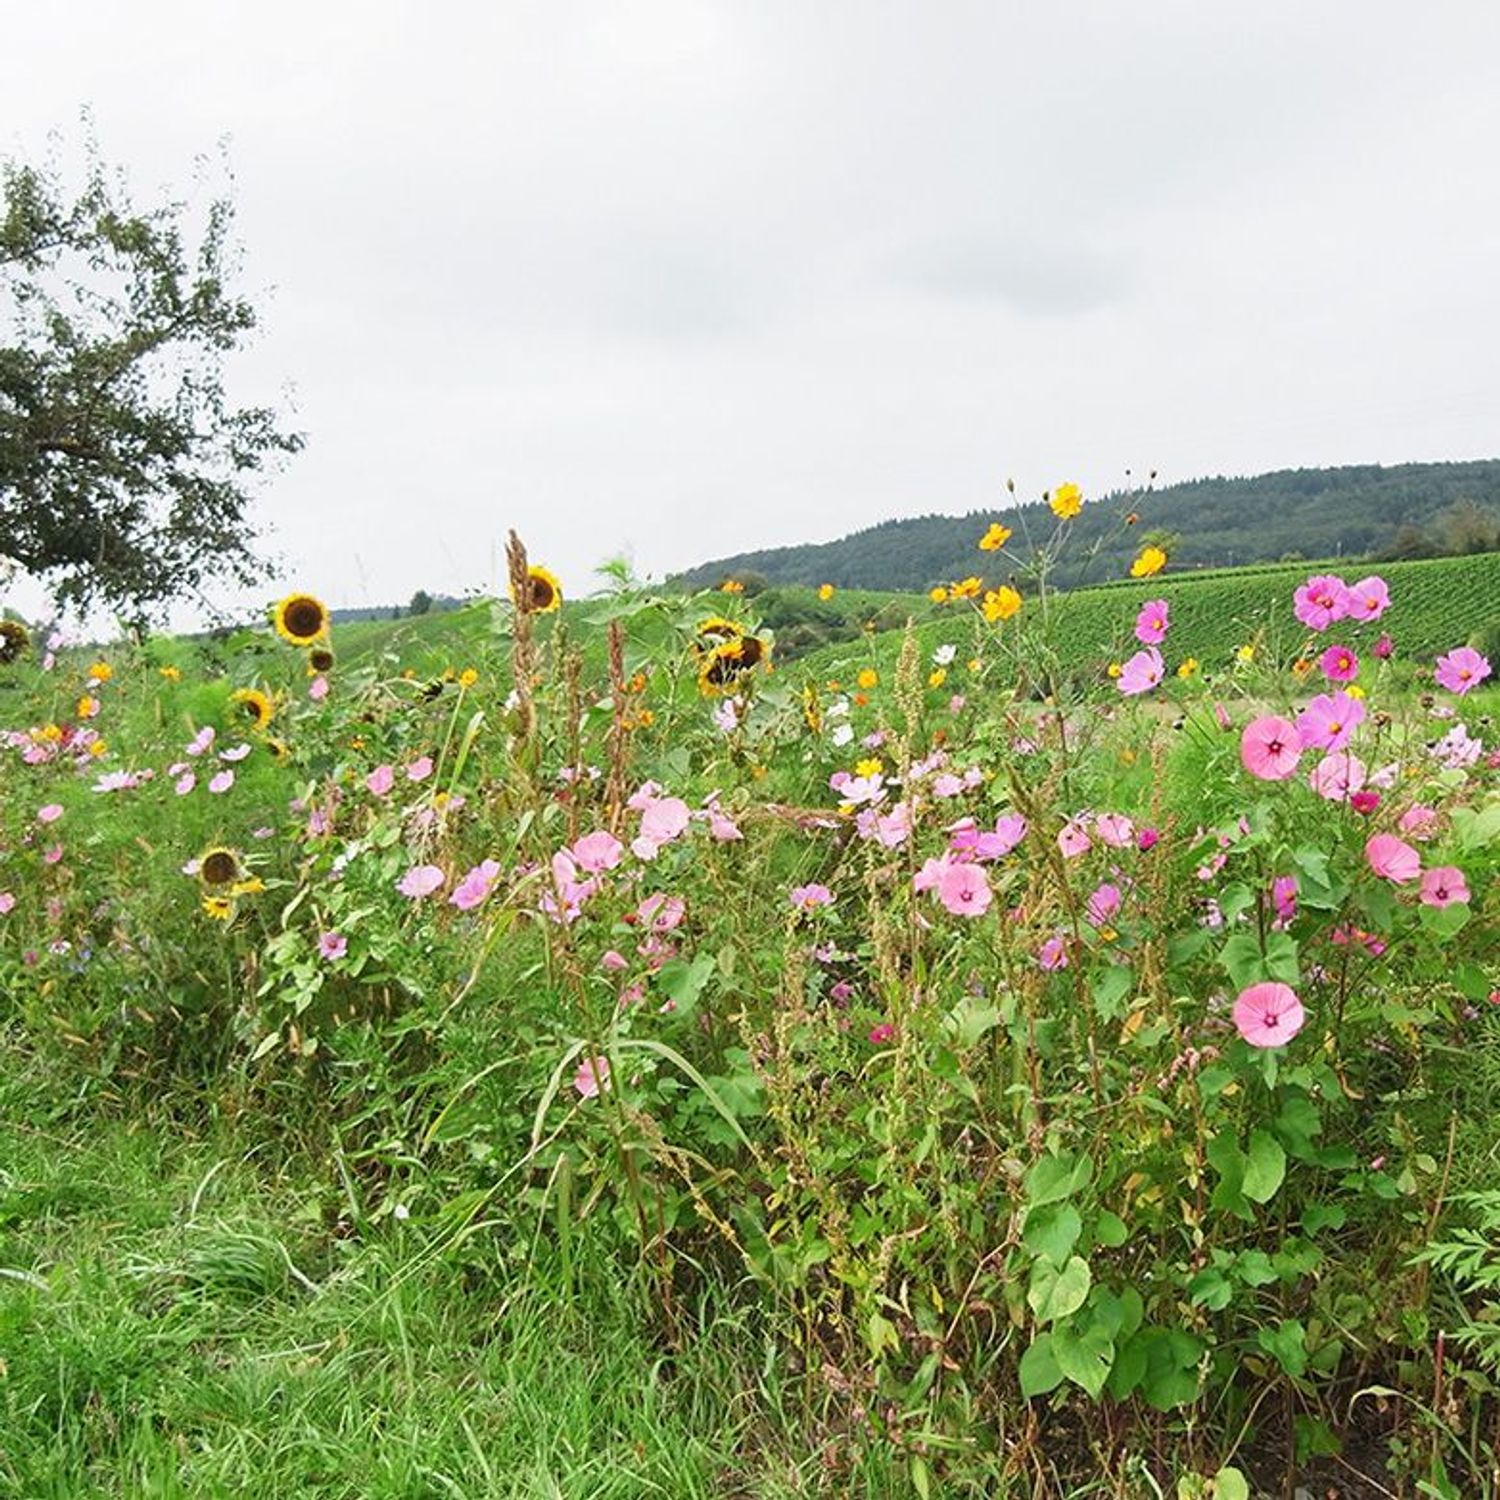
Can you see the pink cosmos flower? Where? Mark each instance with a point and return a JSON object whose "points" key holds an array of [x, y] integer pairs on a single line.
{"points": [[53, 854], [664, 820], [1270, 748], [419, 769], [1115, 829], [892, 829], [50, 813], [1268, 1014], [1141, 673], [420, 881], [1364, 803], [1392, 859], [807, 897], [201, 741], [1320, 601], [333, 945], [598, 851], [184, 783], [472, 890], [947, 785], [7, 902], [1073, 839], [612, 961], [1384, 647], [221, 783], [381, 780], [1339, 664], [235, 753], [881, 1034], [1053, 954], [964, 890], [592, 1077], [1104, 904], [930, 875], [317, 689], [1147, 838], [1152, 623], [1418, 821], [1338, 776], [1444, 886], [1461, 670], [1329, 722], [1367, 600]]}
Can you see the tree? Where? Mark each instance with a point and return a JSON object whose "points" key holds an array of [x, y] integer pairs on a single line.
{"points": [[421, 603], [123, 464]]}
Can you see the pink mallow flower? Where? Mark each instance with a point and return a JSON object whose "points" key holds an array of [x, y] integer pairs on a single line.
{"points": [[420, 769], [333, 945], [1338, 776], [662, 821], [1367, 600], [1114, 829], [1152, 623], [598, 851], [1461, 670], [221, 783], [381, 780], [1073, 839], [1053, 954], [964, 890], [421, 880], [7, 902], [1418, 821], [1268, 1014], [1392, 859], [1104, 904], [592, 1077], [475, 886], [660, 912], [809, 897], [317, 689], [1270, 748], [1141, 673], [1339, 664], [1444, 886], [50, 813], [1329, 721], [1320, 601], [1284, 898], [882, 1034]]}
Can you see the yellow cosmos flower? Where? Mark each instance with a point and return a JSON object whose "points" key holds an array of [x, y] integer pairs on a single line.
{"points": [[1066, 501], [995, 538], [871, 767], [301, 619], [868, 678], [543, 592], [967, 588], [1115, 669], [731, 586], [1245, 653], [937, 677], [87, 707], [101, 671], [49, 732], [468, 677], [1001, 603], [1354, 690], [1150, 562], [98, 747], [825, 592], [974, 664], [254, 705], [939, 595], [172, 674], [1188, 667]]}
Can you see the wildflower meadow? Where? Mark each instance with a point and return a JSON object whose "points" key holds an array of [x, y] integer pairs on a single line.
{"points": [[577, 1050]]}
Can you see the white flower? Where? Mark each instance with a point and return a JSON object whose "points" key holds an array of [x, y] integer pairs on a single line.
{"points": [[944, 655], [843, 733]]}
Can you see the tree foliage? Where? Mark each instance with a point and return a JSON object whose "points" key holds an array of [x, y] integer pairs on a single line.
{"points": [[123, 463]]}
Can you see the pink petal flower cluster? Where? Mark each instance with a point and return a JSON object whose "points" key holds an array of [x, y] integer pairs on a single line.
{"points": [[1153, 622], [1461, 670]]}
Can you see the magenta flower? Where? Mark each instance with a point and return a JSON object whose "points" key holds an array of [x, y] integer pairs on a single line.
{"points": [[475, 886], [221, 783], [1268, 1014], [333, 945], [1141, 673], [1147, 838], [808, 897], [1284, 898], [882, 1034], [592, 1077], [964, 890], [1383, 647], [1392, 859], [1444, 886], [1053, 954], [1338, 776], [419, 881], [1321, 600], [1329, 722], [598, 851], [1461, 669], [50, 813], [1152, 623], [381, 780], [1367, 600], [1270, 748], [1339, 664], [1364, 803]]}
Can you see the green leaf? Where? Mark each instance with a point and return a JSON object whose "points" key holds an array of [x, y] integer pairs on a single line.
{"points": [[1056, 1177], [1085, 1358], [1254, 1268], [1211, 1288], [1226, 1158], [1281, 958], [1266, 1167], [1444, 921], [1110, 986], [1241, 959], [1052, 1230], [1287, 1342], [1110, 1230], [1230, 1484], [1040, 1371], [1055, 1293]]}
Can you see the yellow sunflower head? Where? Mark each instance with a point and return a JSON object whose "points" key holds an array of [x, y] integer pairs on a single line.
{"points": [[256, 707], [14, 639], [301, 619], [543, 592], [721, 665], [715, 631], [220, 908], [220, 866], [320, 659]]}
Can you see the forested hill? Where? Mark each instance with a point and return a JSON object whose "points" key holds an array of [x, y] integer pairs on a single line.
{"points": [[1409, 510]]}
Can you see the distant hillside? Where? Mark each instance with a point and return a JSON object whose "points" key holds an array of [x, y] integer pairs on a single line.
{"points": [[1408, 511]]}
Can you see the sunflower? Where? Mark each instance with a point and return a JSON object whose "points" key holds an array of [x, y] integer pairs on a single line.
{"points": [[543, 592], [14, 639], [220, 908], [320, 659], [255, 706], [279, 749], [715, 631], [726, 661], [220, 866], [301, 619]]}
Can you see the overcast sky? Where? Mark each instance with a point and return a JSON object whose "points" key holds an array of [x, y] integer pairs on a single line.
{"points": [[680, 279]]}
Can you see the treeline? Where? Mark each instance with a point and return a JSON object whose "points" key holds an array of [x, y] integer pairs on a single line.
{"points": [[1367, 511]]}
